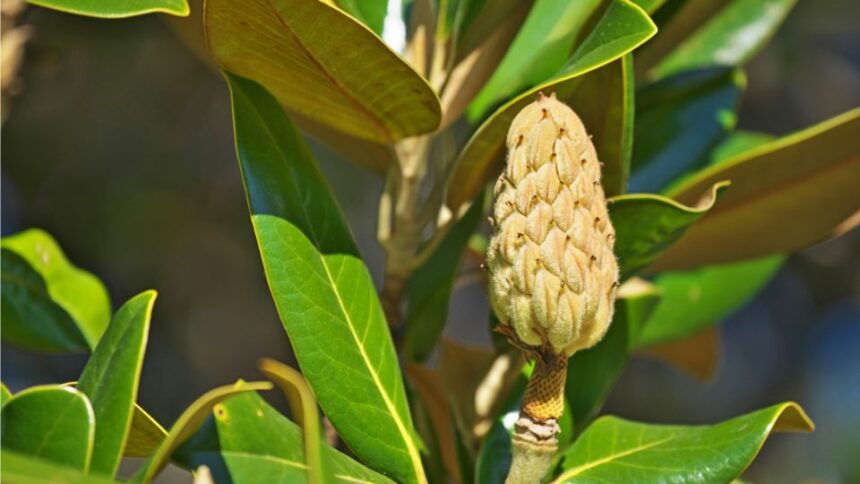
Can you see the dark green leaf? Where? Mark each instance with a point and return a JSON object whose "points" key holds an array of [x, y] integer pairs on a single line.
{"points": [[616, 450], [785, 195], [111, 378], [109, 9], [50, 422], [5, 394], [78, 292], [646, 225], [678, 121], [323, 65], [246, 440], [21, 469], [697, 299], [321, 287], [430, 288]]}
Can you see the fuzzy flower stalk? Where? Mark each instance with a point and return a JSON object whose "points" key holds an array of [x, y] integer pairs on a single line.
{"points": [[552, 270]]}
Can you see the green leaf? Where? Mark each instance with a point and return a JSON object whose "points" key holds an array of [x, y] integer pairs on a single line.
{"points": [[731, 36], [592, 373], [77, 292], [111, 378], [736, 143], [430, 287], [188, 423], [5, 394], [21, 469], [246, 440], [31, 319], [679, 120], [369, 12], [494, 457], [539, 50], [322, 289], [50, 422], [322, 64], [694, 300], [785, 195], [623, 27], [145, 434], [111, 9], [646, 225], [617, 450]]}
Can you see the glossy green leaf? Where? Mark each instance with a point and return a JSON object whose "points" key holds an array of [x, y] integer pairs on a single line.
{"points": [[5, 394], [78, 292], [246, 440], [785, 195], [144, 435], [31, 319], [592, 373], [622, 28], [189, 422], [731, 36], [112, 9], [369, 12], [617, 450], [539, 50], [21, 469], [430, 287], [111, 378], [696, 299], [322, 289], [50, 422], [679, 120], [316, 61], [646, 225]]}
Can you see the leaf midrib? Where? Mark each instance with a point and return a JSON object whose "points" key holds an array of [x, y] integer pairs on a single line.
{"points": [[609, 458]]}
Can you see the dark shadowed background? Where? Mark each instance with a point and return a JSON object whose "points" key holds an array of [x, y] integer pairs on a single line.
{"points": [[120, 145]]}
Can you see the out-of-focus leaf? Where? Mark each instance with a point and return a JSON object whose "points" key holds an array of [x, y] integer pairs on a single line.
{"points": [[649, 6], [679, 120], [316, 61], [494, 457], [617, 450], [50, 422], [729, 37], [111, 378], [5, 394], [369, 12], [22, 469], [622, 28], [244, 439], [697, 354], [144, 435], [188, 423], [77, 292], [321, 288], [109, 9], [696, 299], [592, 373], [430, 287], [785, 195], [539, 50], [484, 17], [646, 225]]}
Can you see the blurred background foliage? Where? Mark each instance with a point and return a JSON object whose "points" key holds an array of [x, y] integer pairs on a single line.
{"points": [[118, 142]]}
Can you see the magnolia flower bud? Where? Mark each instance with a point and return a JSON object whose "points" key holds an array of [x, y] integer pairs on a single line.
{"points": [[552, 271]]}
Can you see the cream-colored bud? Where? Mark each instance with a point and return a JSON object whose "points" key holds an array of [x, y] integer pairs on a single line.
{"points": [[551, 264]]}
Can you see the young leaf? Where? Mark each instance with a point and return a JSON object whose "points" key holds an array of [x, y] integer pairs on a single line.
{"points": [[622, 28], [785, 195], [679, 120], [322, 64], [188, 423], [646, 225], [19, 468], [109, 9], [244, 439], [5, 394], [694, 300], [50, 422], [111, 378], [145, 434], [77, 292], [616, 450], [322, 289]]}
